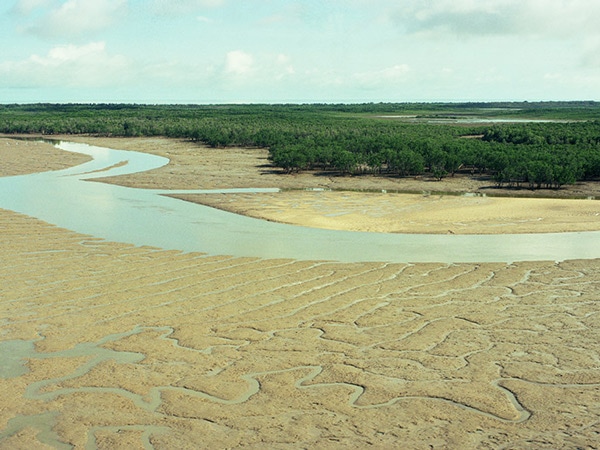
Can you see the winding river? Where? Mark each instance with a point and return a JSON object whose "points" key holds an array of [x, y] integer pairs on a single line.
{"points": [[147, 217]]}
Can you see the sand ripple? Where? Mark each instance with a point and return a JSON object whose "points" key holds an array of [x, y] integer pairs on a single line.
{"points": [[129, 347], [145, 348]]}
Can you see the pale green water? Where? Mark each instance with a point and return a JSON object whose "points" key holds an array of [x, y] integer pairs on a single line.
{"points": [[144, 217], [13, 355]]}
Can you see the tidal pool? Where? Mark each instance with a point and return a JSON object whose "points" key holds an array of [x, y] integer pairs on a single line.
{"points": [[12, 357], [147, 217]]}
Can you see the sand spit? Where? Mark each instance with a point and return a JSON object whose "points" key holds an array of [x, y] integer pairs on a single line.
{"points": [[137, 347], [411, 213], [23, 157]]}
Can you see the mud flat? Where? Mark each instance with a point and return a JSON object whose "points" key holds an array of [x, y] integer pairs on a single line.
{"points": [[137, 347]]}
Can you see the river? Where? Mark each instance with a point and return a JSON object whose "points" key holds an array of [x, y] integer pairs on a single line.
{"points": [[69, 199]]}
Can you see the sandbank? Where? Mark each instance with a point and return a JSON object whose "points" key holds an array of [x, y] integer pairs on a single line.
{"points": [[337, 202]]}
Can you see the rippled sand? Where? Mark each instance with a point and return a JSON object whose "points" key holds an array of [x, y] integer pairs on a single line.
{"points": [[130, 347]]}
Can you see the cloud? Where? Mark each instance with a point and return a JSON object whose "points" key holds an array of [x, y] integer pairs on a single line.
{"points": [[239, 63], [73, 18], [251, 71], [551, 18], [284, 66], [591, 53], [26, 7], [389, 76], [383, 80], [457, 16], [178, 7], [68, 65]]}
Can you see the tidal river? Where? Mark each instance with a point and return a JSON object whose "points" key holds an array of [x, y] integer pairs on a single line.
{"points": [[145, 217]]}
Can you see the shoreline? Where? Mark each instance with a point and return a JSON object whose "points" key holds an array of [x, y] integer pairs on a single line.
{"points": [[251, 168], [410, 213], [351, 203]]}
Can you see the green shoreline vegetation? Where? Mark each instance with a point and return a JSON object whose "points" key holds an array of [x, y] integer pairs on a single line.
{"points": [[548, 144]]}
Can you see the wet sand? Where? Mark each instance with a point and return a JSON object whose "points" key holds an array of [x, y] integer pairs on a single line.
{"points": [[411, 213], [19, 157], [129, 347]]}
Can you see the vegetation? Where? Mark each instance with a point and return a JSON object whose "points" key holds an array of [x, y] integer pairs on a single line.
{"points": [[381, 139]]}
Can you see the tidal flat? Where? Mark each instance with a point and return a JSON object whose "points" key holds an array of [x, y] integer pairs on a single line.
{"points": [[139, 347]]}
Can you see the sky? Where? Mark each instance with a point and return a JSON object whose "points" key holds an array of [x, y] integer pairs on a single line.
{"points": [[298, 51]]}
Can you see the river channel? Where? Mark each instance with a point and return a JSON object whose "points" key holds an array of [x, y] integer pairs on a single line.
{"points": [[69, 199]]}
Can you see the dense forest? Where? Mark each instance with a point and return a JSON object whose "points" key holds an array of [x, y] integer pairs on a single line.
{"points": [[535, 145]]}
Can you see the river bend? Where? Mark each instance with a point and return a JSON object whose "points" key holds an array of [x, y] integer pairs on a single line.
{"points": [[145, 217]]}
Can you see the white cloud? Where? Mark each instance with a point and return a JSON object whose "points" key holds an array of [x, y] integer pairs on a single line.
{"points": [[25, 7], [498, 17], [389, 76], [330, 50], [591, 53], [78, 17], [284, 66], [69, 65], [456, 16], [383, 80], [564, 17], [264, 70], [239, 63], [177, 7]]}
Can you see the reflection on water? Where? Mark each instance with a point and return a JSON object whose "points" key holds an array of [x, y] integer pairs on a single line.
{"points": [[144, 217]]}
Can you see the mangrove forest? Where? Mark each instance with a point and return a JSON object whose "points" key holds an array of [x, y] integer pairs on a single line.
{"points": [[533, 145]]}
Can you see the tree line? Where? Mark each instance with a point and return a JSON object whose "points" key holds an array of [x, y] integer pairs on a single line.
{"points": [[355, 139]]}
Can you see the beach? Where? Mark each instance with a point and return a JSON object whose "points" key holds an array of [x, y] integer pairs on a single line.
{"points": [[117, 346]]}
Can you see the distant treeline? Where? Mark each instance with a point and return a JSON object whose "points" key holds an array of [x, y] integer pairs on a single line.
{"points": [[354, 139]]}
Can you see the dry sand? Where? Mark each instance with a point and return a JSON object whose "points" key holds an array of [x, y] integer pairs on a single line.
{"points": [[131, 347]]}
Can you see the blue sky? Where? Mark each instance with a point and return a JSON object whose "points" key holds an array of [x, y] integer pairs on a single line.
{"points": [[273, 51]]}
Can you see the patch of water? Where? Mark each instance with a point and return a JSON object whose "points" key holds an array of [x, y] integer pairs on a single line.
{"points": [[147, 217], [13, 355]]}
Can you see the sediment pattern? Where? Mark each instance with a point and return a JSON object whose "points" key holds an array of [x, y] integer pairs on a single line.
{"points": [[129, 347]]}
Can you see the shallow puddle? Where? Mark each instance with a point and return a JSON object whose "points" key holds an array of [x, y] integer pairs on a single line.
{"points": [[13, 357]]}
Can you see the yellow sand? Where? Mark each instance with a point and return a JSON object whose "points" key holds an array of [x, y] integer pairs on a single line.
{"points": [[412, 213], [190, 351]]}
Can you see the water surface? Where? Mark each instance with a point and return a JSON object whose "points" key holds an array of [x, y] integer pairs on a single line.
{"points": [[145, 217]]}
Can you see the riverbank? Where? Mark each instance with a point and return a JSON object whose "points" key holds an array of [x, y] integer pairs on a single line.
{"points": [[23, 157], [195, 166], [306, 198], [116, 346]]}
